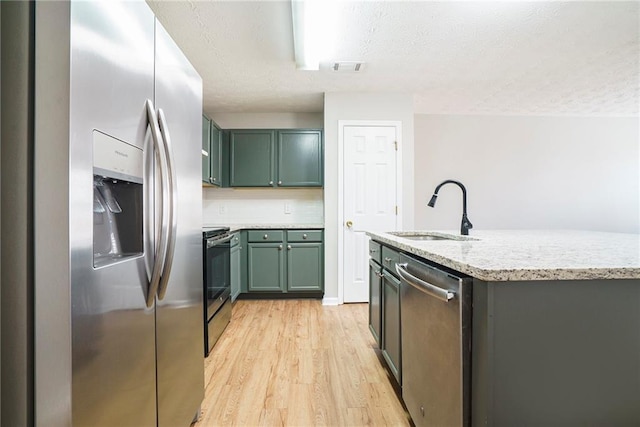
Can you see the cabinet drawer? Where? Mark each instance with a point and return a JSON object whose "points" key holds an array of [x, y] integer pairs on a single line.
{"points": [[265, 235], [304, 235], [374, 251], [390, 258]]}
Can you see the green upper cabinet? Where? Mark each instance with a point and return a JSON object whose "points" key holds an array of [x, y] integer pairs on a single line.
{"points": [[275, 158], [215, 156], [211, 152], [299, 158], [206, 162], [251, 158]]}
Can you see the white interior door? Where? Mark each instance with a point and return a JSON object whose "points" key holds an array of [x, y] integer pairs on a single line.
{"points": [[370, 199]]}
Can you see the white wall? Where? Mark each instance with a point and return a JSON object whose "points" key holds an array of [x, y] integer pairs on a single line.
{"points": [[234, 206], [360, 106], [529, 172], [228, 206]]}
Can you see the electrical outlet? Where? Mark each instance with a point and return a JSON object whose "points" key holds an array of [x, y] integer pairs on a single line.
{"points": [[222, 209], [287, 208]]}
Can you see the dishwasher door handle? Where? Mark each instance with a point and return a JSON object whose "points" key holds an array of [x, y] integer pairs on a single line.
{"points": [[421, 285]]}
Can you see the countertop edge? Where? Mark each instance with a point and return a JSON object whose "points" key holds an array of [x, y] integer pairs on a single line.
{"points": [[238, 227], [503, 275]]}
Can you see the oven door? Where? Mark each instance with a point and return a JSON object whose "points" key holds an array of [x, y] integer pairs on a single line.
{"points": [[217, 273]]}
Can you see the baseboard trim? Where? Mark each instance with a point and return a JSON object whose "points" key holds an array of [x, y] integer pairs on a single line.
{"points": [[330, 301]]}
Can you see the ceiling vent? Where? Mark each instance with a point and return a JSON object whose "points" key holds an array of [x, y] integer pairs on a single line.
{"points": [[348, 66]]}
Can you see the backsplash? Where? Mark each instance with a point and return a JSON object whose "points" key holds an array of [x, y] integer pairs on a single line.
{"points": [[232, 206]]}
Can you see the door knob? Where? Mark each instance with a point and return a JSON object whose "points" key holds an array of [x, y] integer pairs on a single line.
{"points": [[349, 224]]}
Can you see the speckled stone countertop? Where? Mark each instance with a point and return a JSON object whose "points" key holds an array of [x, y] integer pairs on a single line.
{"points": [[513, 255], [236, 227]]}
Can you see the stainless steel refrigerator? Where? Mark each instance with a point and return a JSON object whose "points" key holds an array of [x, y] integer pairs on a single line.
{"points": [[102, 290]]}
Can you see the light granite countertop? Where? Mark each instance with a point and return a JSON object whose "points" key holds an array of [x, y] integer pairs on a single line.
{"points": [[514, 255], [236, 227]]}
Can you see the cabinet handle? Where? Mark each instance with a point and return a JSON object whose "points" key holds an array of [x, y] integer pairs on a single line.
{"points": [[270, 182], [288, 247], [304, 236], [265, 237], [279, 182], [280, 247], [373, 251], [214, 180], [386, 259]]}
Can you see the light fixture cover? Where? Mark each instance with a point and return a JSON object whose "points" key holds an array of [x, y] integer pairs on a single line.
{"points": [[302, 44], [313, 22]]}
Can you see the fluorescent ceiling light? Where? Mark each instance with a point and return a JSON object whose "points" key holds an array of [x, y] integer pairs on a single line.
{"points": [[314, 23]]}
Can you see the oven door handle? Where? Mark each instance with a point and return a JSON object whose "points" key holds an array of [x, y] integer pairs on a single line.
{"points": [[211, 242]]}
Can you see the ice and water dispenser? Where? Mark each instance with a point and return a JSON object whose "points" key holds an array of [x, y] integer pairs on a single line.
{"points": [[117, 200]]}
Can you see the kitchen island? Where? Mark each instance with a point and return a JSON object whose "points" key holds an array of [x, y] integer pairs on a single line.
{"points": [[554, 324]]}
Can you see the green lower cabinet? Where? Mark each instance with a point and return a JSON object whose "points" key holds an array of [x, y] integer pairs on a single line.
{"points": [[284, 261], [375, 298], [236, 265], [391, 334], [265, 267], [304, 267]]}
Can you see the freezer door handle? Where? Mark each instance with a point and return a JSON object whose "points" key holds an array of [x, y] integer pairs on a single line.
{"points": [[421, 285], [172, 220], [160, 232]]}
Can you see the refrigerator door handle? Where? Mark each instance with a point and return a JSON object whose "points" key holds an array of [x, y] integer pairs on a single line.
{"points": [[172, 220], [161, 232]]}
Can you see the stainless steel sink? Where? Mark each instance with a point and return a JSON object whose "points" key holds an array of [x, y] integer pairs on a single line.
{"points": [[427, 235]]}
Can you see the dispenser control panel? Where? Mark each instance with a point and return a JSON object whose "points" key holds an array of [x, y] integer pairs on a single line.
{"points": [[116, 159]]}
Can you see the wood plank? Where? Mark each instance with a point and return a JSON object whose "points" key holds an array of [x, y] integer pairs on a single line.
{"points": [[298, 363]]}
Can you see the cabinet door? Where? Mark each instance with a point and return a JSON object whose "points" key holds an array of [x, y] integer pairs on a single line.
{"points": [[206, 155], [304, 267], [236, 266], [252, 158], [215, 156], [391, 323], [300, 158], [375, 298], [265, 267]]}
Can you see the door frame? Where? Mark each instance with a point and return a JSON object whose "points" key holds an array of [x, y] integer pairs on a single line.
{"points": [[341, 220]]}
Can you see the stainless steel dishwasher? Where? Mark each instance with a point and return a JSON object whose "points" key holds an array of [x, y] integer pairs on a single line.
{"points": [[436, 343]]}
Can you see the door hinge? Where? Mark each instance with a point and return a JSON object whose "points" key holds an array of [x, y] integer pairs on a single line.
{"points": [[396, 210], [395, 143]]}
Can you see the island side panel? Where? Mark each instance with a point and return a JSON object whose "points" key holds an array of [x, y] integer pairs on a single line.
{"points": [[481, 394], [557, 352]]}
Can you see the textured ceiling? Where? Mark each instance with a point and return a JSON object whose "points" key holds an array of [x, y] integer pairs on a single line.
{"points": [[507, 57]]}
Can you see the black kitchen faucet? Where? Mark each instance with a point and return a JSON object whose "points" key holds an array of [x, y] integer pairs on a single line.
{"points": [[466, 224]]}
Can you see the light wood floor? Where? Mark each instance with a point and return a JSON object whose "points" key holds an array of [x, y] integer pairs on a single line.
{"points": [[298, 363]]}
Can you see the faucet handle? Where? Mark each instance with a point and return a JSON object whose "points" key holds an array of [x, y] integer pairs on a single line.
{"points": [[466, 225]]}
